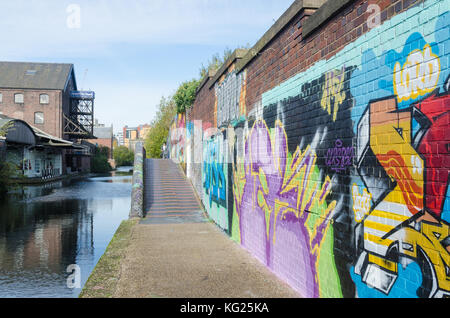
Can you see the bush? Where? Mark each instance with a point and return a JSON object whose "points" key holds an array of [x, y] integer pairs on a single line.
{"points": [[8, 172], [123, 156], [185, 95], [100, 162]]}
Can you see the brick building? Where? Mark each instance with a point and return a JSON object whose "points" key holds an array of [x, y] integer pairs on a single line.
{"points": [[104, 136], [45, 96]]}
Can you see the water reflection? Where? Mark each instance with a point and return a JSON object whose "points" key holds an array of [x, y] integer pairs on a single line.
{"points": [[44, 229]]}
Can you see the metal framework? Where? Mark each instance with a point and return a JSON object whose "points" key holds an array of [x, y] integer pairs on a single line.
{"points": [[80, 121]]}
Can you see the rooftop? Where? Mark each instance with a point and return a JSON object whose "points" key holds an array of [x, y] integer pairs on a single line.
{"points": [[27, 75]]}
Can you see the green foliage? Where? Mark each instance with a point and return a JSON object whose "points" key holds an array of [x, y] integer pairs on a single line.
{"points": [[123, 156], [4, 129], [182, 100], [100, 162], [217, 60], [8, 172], [160, 127], [185, 96]]}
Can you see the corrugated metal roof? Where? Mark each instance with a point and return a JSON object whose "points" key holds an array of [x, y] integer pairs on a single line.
{"points": [[52, 140], [27, 75]]}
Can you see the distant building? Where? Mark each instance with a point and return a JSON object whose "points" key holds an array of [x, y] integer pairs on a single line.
{"points": [[131, 135], [143, 131], [104, 137], [120, 140]]}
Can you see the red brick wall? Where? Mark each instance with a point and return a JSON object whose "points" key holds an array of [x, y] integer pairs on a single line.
{"points": [[52, 111]]}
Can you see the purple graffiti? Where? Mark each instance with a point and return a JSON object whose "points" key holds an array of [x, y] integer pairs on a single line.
{"points": [[339, 158], [274, 205]]}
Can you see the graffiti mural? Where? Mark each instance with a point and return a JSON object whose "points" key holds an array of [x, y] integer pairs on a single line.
{"points": [[403, 145], [230, 97], [178, 139], [216, 181], [280, 202], [338, 179]]}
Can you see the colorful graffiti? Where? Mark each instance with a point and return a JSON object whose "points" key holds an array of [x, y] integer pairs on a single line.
{"points": [[215, 169], [178, 139], [230, 93], [281, 205], [333, 91], [338, 178]]}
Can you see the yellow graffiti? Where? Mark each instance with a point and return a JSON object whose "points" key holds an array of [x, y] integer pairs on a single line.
{"points": [[333, 92], [391, 226], [418, 76], [428, 241], [361, 203]]}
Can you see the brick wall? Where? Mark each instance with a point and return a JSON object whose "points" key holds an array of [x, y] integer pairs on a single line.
{"points": [[335, 174], [26, 111]]}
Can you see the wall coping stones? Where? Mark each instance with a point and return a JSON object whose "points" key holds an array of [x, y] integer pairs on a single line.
{"points": [[238, 54], [205, 79], [326, 11], [291, 12]]}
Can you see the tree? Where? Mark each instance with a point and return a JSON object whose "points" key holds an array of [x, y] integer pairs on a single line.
{"points": [[123, 156], [8, 171], [160, 127], [100, 162], [185, 95]]}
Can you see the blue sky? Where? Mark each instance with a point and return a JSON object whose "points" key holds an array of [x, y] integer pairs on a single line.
{"points": [[134, 51]]}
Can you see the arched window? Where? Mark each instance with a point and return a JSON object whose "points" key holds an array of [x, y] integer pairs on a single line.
{"points": [[18, 98], [39, 118], [44, 99]]}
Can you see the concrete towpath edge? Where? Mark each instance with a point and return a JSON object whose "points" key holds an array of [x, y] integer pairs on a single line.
{"points": [[103, 280]]}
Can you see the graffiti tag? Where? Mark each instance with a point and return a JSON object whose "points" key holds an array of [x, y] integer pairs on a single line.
{"points": [[418, 76], [339, 157]]}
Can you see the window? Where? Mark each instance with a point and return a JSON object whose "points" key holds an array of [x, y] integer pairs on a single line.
{"points": [[37, 166], [44, 99], [18, 98], [1, 98], [38, 118]]}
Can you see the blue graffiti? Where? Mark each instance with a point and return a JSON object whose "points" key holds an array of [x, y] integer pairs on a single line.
{"points": [[407, 282], [215, 181]]}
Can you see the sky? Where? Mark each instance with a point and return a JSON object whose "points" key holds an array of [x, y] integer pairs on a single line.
{"points": [[131, 52]]}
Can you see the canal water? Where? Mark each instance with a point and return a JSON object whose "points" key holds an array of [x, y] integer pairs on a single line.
{"points": [[52, 236]]}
